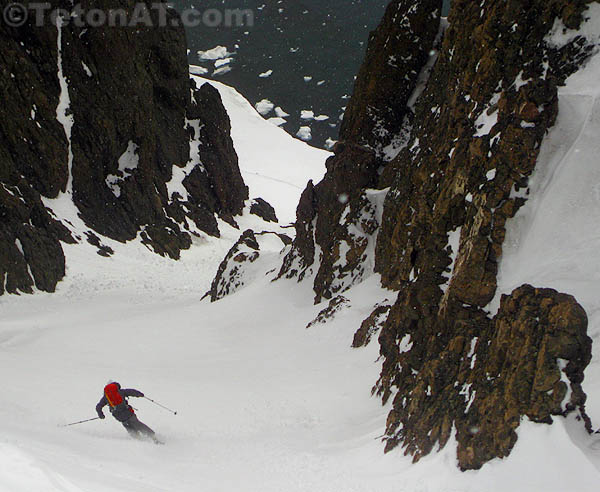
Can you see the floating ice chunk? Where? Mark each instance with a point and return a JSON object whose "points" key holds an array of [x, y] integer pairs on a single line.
{"points": [[222, 62], [222, 70], [304, 133], [264, 107], [280, 112], [214, 54], [196, 70]]}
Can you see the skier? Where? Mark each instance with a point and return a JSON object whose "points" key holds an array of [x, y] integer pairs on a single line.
{"points": [[115, 397]]}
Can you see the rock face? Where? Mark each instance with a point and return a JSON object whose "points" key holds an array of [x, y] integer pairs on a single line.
{"points": [[458, 172], [397, 51], [240, 265], [263, 209], [338, 216], [230, 275], [105, 118], [337, 304], [529, 362], [464, 371]]}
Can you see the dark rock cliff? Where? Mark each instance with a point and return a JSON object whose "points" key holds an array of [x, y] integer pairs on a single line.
{"points": [[459, 170], [106, 122], [397, 51], [337, 210]]}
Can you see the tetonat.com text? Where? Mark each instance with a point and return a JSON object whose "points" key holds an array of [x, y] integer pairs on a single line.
{"points": [[157, 14]]}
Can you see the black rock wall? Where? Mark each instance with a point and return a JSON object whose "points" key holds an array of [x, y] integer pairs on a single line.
{"points": [[132, 109]]}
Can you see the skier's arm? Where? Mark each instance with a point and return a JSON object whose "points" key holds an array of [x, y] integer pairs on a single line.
{"points": [[100, 406], [132, 392]]}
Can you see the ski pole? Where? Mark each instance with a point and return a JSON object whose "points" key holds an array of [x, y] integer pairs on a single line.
{"points": [[80, 422], [161, 406]]}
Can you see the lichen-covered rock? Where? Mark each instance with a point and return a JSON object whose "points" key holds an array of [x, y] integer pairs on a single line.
{"points": [[372, 325], [493, 91], [530, 363], [480, 376], [461, 174], [375, 113]]}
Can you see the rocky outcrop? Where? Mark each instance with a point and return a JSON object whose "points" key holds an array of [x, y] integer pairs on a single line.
{"points": [[30, 251], [33, 157], [240, 265], [263, 209], [335, 305], [397, 52], [479, 376], [451, 194], [531, 362], [221, 189], [459, 173], [372, 325], [338, 216], [104, 118]]}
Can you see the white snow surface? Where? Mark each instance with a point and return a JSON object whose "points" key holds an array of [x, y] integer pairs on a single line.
{"points": [[128, 161], [263, 404], [554, 240], [277, 121]]}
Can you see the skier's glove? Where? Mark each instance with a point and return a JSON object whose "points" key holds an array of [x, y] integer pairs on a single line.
{"points": [[101, 415]]}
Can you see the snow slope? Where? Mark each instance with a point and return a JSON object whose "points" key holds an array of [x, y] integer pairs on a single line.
{"points": [[554, 241], [263, 403], [275, 166]]}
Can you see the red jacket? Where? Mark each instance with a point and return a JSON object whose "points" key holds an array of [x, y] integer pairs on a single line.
{"points": [[116, 398]]}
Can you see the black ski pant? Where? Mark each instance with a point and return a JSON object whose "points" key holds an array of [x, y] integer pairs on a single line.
{"points": [[135, 427]]}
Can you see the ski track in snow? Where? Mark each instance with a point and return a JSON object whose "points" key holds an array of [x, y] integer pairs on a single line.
{"points": [[263, 403]]}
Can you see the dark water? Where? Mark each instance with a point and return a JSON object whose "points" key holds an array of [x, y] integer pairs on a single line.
{"points": [[325, 40]]}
